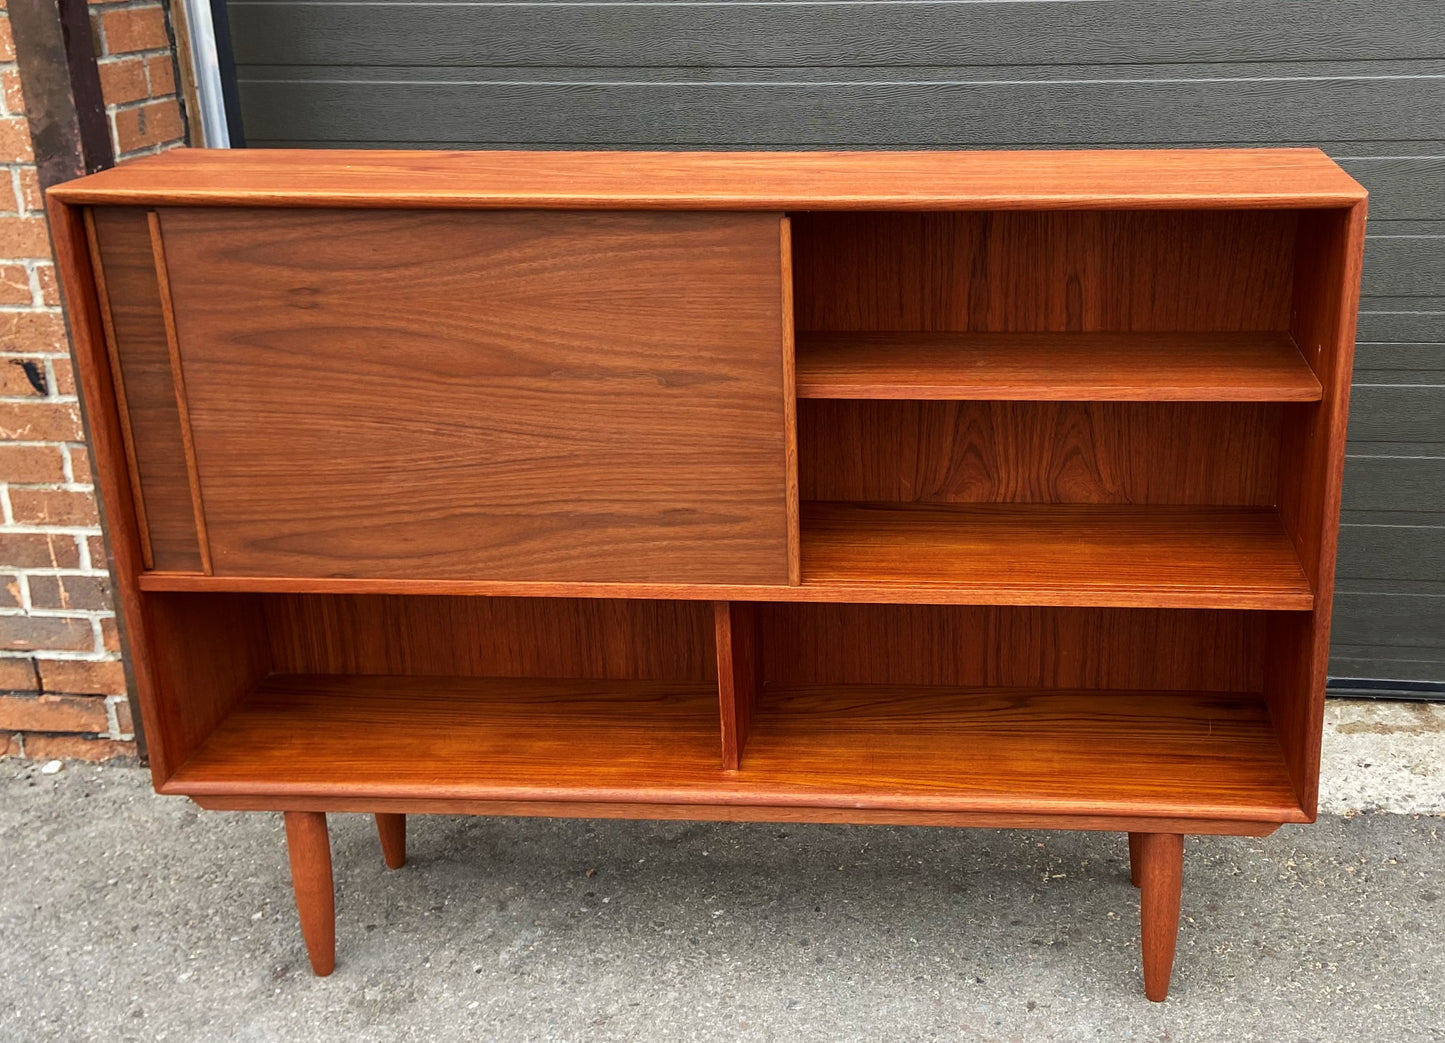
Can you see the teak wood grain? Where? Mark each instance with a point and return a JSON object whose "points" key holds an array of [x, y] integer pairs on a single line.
{"points": [[145, 389], [522, 395], [739, 674], [1170, 754], [1062, 271], [1040, 452], [1165, 557], [1214, 178], [1118, 367]]}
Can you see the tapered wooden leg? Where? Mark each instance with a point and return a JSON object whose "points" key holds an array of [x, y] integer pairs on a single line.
{"points": [[392, 830], [310, 849], [1136, 841], [1160, 868]]}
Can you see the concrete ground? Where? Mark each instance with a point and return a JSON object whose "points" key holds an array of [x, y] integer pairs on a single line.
{"points": [[124, 916]]}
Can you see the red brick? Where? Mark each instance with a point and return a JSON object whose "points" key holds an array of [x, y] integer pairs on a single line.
{"points": [[110, 634], [9, 745], [8, 204], [18, 378], [15, 140], [10, 591], [53, 713], [15, 284], [161, 72], [18, 675], [30, 465], [50, 294], [53, 507], [123, 80], [135, 29], [124, 722], [70, 593], [41, 332], [10, 87], [39, 422], [79, 466], [76, 748], [30, 189], [25, 237], [38, 550], [105, 677], [46, 633], [7, 42], [64, 373], [98, 557], [147, 125]]}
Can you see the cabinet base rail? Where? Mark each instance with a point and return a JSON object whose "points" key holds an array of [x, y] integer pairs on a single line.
{"points": [[1156, 862]]}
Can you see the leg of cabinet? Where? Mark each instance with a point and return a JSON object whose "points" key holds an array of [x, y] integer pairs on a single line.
{"points": [[310, 848], [392, 830], [1159, 867]]}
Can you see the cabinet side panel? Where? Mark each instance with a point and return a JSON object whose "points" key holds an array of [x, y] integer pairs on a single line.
{"points": [[512, 395], [1039, 452], [1182, 650], [492, 637], [1329, 254], [1051, 271], [138, 326]]}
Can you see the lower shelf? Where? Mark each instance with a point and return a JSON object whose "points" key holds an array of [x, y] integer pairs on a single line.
{"points": [[1169, 754]]}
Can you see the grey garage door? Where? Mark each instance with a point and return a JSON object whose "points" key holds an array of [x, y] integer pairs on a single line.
{"points": [[1364, 79]]}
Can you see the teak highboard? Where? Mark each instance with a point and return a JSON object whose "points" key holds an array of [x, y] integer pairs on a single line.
{"points": [[975, 489]]}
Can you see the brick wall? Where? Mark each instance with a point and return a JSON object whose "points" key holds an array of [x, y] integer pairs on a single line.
{"points": [[62, 687]]}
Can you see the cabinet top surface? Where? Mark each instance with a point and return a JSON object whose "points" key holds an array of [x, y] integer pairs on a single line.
{"points": [[1126, 178]]}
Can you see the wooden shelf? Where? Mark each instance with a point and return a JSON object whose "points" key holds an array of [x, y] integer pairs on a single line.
{"points": [[1116, 367], [1043, 554], [882, 747]]}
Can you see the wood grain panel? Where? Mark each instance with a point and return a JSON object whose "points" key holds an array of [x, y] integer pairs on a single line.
{"points": [[499, 637], [970, 180], [1061, 271], [523, 396], [138, 325], [1039, 452], [937, 749], [990, 646], [1312, 459], [739, 674], [1008, 554], [1110, 367]]}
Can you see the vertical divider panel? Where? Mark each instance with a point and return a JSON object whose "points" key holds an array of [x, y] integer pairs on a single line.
{"points": [[1328, 253], [790, 409], [738, 675]]}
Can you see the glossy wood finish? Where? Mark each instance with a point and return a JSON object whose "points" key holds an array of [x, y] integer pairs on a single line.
{"points": [[145, 392], [309, 846], [1175, 754], [1160, 871], [427, 413], [1011, 647], [739, 674], [391, 829], [1117, 367], [1214, 178], [1040, 452], [1327, 279], [1116, 271], [1031, 554]]}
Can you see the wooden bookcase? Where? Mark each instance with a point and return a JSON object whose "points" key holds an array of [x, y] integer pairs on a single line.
{"points": [[991, 489]]}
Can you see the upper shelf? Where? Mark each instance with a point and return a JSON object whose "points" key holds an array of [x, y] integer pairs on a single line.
{"points": [[1021, 180], [1076, 367]]}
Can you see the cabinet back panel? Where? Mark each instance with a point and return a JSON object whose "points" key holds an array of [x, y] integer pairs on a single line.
{"points": [[137, 326], [511, 395], [1087, 271], [1219, 454], [492, 637], [1187, 650]]}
